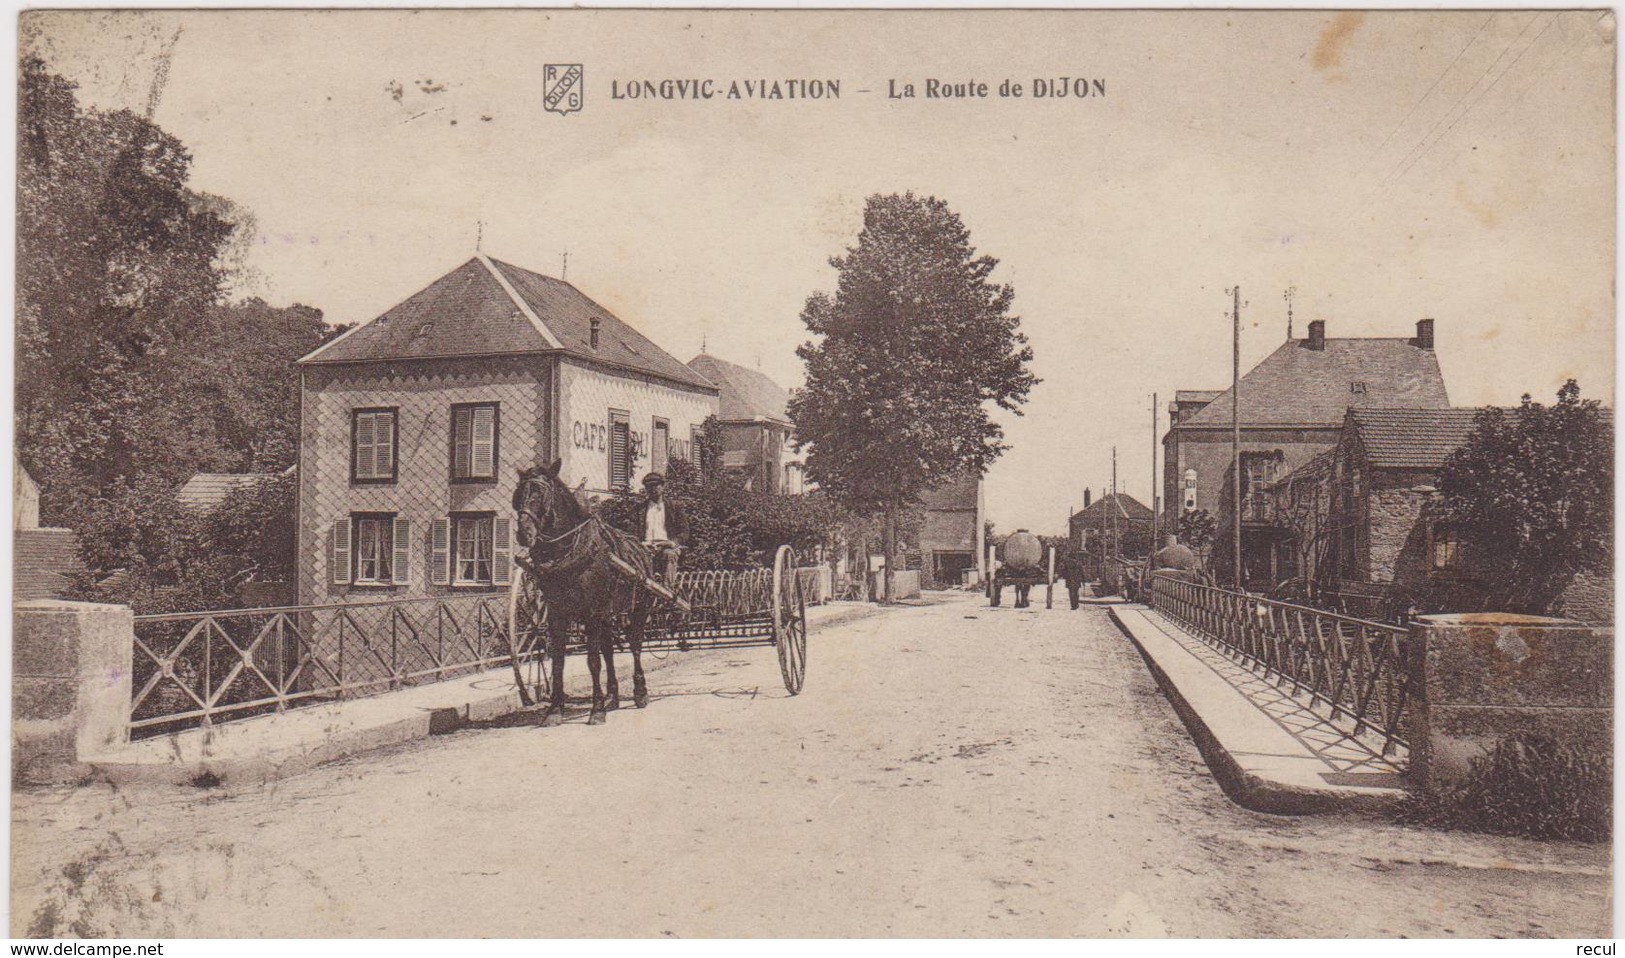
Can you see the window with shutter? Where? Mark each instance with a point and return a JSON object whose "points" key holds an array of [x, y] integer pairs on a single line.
{"points": [[372, 445], [620, 450], [440, 552], [373, 538], [474, 559], [475, 429]]}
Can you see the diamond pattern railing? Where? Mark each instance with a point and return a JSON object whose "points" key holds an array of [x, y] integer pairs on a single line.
{"points": [[201, 668], [1360, 670]]}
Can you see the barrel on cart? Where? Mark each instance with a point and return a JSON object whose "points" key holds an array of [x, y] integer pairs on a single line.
{"points": [[1024, 567]]}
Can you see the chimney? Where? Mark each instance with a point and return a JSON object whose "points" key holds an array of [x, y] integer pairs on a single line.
{"points": [[1086, 497], [1424, 334], [1317, 334], [594, 328]]}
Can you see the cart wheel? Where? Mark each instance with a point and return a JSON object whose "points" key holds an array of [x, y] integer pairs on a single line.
{"points": [[527, 638], [789, 621]]}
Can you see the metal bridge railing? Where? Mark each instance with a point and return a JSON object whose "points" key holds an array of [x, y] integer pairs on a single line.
{"points": [[201, 668], [1361, 670]]}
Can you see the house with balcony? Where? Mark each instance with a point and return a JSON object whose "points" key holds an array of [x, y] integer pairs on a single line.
{"points": [[1292, 407], [414, 425], [757, 435]]}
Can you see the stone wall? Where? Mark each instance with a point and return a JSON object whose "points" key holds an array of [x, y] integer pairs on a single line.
{"points": [[1394, 545], [70, 685], [1484, 677]]}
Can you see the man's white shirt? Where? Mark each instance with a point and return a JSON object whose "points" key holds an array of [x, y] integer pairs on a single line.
{"points": [[654, 525]]}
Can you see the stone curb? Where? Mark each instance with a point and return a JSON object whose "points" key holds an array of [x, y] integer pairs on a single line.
{"points": [[1249, 781], [328, 733]]}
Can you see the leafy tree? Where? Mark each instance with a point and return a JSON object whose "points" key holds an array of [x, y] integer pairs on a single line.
{"points": [[129, 366], [132, 374], [1196, 530], [913, 347], [731, 527], [1531, 491], [176, 560]]}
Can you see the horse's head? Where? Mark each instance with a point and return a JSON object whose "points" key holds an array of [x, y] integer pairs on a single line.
{"points": [[544, 505]]}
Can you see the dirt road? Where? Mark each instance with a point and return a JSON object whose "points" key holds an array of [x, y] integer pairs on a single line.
{"points": [[949, 770]]}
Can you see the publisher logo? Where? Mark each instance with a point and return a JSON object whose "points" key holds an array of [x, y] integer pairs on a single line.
{"points": [[562, 88]]}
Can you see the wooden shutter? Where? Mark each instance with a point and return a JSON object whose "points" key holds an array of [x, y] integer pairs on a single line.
{"points": [[400, 561], [501, 550], [365, 462], [620, 448], [440, 552], [384, 444], [339, 554], [461, 436], [661, 452], [484, 443]]}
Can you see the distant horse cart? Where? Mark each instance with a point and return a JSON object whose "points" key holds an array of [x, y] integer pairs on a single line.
{"points": [[583, 587], [1024, 567]]}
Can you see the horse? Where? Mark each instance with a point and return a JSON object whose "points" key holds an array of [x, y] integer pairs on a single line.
{"points": [[567, 547]]}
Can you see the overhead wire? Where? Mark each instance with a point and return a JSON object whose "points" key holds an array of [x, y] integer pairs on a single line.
{"points": [[1486, 90], [1427, 141]]}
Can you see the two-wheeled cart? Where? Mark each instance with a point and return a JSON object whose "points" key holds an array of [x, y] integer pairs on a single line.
{"points": [[694, 611]]}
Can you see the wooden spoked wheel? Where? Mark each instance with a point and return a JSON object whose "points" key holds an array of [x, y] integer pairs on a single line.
{"points": [[527, 638], [789, 620]]}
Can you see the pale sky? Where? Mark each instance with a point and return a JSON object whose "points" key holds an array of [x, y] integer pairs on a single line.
{"points": [[1389, 166]]}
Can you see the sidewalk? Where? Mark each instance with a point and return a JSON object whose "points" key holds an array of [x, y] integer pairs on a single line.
{"points": [[276, 746], [1268, 749]]}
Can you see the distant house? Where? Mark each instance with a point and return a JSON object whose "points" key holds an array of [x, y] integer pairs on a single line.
{"points": [[43, 560], [414, 426], [1090, 529], [206, 490], [952, 551], [756, 429], [1362, 521], [1292, 408]]}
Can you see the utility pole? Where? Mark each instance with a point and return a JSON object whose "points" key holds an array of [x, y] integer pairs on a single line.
{"points": [[1235, 430], [564, 271], [1112, 509], [1153, 550]]}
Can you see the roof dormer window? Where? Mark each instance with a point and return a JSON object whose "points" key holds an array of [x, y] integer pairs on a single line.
{"points": [[596, 325]]}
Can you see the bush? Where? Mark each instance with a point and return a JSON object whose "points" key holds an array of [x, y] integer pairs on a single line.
{"points": [[1528, 786]]}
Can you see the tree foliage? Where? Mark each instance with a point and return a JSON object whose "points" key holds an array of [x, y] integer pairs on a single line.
{"points": [[1531, 491], [911, 352], [913, 348], [176, 559], [1196, 530], [132, 373], [731, 527]]}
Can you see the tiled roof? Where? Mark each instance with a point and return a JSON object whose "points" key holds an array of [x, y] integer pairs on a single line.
{"points": [[747, 395], [42, 561], [1126, 505], [208, 489], [954, 495], [1197, 395], [1296, 384], [487, 307], [1415, 438]]}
